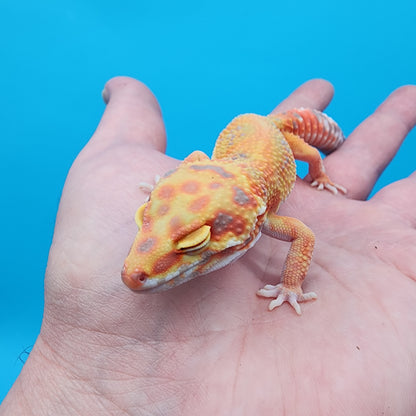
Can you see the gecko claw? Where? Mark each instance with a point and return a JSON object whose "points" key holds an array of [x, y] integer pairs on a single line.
{"points": [[148, 187], [283, 294], [329, 186]]}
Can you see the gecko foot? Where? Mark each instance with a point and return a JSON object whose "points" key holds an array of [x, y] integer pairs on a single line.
{"points": [[323, 182], [283, 294], [148, 187]]}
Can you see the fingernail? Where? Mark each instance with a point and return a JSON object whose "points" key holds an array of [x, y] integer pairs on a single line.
{"points": [[105, 94]]}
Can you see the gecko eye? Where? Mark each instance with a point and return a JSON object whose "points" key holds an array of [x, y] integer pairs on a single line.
{"points": [[139, 215], [195, 240]]}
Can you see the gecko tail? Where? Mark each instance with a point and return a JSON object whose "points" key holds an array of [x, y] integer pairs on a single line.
{"points": [[313, 126]]}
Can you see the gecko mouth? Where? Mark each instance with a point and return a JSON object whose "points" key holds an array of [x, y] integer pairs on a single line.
{"points": [[182, 275], [142, 282]]}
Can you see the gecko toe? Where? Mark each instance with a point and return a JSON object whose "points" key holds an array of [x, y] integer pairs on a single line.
{"points": [[283, 294]]}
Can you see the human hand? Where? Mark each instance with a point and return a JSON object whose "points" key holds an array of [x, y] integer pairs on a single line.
{"points": [[211, 346]]}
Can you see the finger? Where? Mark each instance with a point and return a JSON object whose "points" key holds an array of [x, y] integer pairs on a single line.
{"points": [[373, 144], [316, 93], [132, 114]]}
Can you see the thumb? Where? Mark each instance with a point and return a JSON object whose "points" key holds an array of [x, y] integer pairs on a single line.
{"points": [[132, 115]]}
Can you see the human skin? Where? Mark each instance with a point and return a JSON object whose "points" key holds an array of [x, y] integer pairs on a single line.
{"points": [[211, 347]]}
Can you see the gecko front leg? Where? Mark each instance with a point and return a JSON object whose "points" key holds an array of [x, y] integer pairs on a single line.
{"points": [[297, 261]]}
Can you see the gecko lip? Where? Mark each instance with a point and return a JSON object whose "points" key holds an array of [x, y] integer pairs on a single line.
{"points": [[134, 280], [181, 275]]}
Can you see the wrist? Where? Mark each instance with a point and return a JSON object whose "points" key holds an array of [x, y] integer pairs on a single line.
{"points": [[45, 387], [90, 367], [83, 373]]}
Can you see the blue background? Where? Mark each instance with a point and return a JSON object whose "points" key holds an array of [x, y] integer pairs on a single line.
{"points": [[206, 61]]}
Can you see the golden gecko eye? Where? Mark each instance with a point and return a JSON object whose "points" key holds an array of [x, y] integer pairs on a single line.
{"points": [[195, 240], [139, 215]]}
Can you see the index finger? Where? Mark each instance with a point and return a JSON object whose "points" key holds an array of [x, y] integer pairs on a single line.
{"points": [[316, 93]]}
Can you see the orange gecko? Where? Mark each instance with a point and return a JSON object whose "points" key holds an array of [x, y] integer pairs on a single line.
{"points": [[208, 212]]}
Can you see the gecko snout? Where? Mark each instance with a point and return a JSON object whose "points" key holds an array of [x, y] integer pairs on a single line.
{"points": [[135, 279]]}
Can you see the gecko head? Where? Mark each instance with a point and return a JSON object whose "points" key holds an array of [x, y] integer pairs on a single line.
{"points": [[155, 261], [191, 225]]}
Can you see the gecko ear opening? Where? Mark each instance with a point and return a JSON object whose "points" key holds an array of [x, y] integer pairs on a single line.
{"points": [[195, 240], [139, 215]]}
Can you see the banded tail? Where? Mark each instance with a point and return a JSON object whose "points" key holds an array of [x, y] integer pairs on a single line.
{"points": [[314, 127]]}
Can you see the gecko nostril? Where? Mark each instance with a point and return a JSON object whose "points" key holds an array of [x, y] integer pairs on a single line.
{"points": [[139, 276], [134, 280]]}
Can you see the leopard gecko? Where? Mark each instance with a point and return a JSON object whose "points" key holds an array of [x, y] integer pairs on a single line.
{"points": [[207, 213]]}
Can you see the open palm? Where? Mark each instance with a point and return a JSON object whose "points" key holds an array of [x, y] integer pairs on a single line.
{"points": [[211, 347]]}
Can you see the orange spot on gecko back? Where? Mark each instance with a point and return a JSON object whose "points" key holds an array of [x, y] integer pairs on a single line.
{"points": [[163, 210], [199, 204], [214, 185], [166, 192], [190, 187]]}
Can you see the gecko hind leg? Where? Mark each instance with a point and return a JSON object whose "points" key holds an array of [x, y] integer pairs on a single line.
{"points": [[309, 154]]}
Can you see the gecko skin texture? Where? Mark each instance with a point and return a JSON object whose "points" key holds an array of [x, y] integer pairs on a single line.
{"points": [[208, 212]]}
